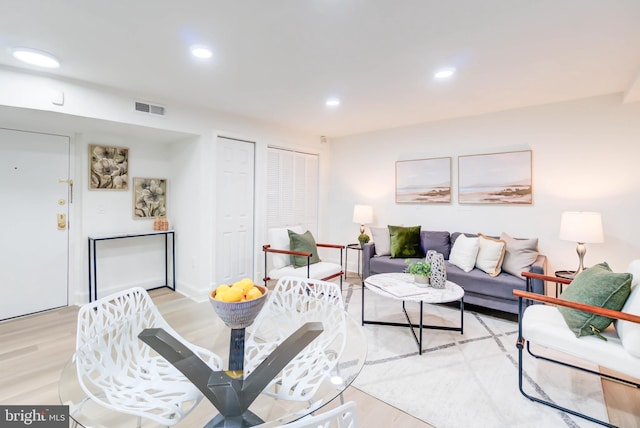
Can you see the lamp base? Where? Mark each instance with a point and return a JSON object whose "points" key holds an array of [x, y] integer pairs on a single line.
{"points": [[581, 250]]}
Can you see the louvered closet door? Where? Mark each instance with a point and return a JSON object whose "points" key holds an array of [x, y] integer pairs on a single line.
{"points": [[292, 189]]}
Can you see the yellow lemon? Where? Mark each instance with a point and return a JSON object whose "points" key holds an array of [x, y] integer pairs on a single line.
{"points": [[244, 283], [222, 289], [232, 295], [253, 293]]}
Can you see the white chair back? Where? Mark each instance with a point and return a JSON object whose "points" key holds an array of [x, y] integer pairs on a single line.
{"points": [[292, 303], [120, 372]]}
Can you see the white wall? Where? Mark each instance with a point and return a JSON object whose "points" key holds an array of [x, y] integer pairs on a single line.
{"points": [[180, 146], [585, 157]]}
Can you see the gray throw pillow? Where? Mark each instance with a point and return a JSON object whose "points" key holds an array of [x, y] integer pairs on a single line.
{"points": [[519, 255], [381, 240], [595, 286]]}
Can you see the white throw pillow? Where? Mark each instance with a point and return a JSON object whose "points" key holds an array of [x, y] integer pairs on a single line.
{"points": [[490, 254], [464, 252], [382, 240], [628, 331], [279, 240], [519, 254]]}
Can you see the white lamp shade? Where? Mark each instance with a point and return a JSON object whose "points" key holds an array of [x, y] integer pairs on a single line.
{"points": [[363, 214], [578, 226]]}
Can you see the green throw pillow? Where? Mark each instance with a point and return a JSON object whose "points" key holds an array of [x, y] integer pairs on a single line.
{"points": [[303, 242], [596, 286], [405, 242]]}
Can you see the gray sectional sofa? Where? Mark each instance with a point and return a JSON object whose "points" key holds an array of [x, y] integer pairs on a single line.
{"points": [[480, 288]]}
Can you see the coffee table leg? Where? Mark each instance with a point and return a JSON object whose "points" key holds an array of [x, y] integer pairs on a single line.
{"points": [[461, 315], [420, 342]]}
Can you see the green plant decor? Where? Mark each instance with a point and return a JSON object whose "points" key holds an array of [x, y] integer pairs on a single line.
{"points": [[421, 268], [363, 238]]}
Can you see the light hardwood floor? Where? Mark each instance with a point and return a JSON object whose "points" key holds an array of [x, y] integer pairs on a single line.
{"points": [[34, 349]]}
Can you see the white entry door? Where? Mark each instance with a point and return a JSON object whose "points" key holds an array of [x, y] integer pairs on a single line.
{"points": [[235, 202], [33, 248]]}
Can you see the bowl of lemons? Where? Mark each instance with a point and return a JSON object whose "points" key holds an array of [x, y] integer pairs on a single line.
{"points": [[238, 304]]}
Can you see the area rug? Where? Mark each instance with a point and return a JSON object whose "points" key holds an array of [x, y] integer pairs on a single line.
{"points": [[464, 380]]}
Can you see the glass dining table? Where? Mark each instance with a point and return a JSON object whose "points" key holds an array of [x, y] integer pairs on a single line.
{"points": [[199, 324]]}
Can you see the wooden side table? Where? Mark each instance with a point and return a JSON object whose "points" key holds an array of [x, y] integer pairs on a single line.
{"points": [[357, 247]]}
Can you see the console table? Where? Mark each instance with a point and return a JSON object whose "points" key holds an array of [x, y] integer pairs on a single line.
{"points": [[93, 270]]}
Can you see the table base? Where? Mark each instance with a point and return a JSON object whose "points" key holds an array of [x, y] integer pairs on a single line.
{"points": [[247, 420], [420, 325]]}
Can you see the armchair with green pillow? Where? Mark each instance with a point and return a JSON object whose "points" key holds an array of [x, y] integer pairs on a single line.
{"points": [[596, 320], [294, 252]]}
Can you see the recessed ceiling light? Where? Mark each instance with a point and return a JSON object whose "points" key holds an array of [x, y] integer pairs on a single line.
{"points": [[201, 52], [332, 102], [36, 57], [444, 73]]}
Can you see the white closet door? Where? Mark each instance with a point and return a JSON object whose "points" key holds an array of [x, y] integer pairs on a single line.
{"points": [[33, 251], [235, 205]]}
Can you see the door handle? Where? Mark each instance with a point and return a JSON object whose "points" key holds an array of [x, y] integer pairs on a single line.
{"points": [[62, 221]]}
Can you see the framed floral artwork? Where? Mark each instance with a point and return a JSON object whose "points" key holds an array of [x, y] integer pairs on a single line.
{"points": [[108, 167], [423, 181], [497, 178], [149, 197]]}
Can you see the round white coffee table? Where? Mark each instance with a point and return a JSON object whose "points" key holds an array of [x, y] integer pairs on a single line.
{"points": [[401, 286]]}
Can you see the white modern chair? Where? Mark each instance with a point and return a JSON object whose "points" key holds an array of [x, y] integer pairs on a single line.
{"points": [[544, 327], [344, 416], [281, 266], [292, 303], [120, 372]]}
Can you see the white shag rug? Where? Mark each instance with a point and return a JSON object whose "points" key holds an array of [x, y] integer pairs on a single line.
{"points": [[464, 380]]}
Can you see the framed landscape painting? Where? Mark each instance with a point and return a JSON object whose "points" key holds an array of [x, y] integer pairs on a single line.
{"points": [[108, 167], [498, 178], [424, 181], [149, 197]]}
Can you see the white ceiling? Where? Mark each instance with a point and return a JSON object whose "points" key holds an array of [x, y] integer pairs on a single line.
{"points": [[277, 61]]}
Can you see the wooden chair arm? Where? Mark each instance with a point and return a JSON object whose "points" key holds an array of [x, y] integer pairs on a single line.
{"points": [[330, 245], [546, 277], [267, 249], [579, 306]]}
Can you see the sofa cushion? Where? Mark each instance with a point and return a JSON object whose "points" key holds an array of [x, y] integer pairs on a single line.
{"points": [[405, 241], [437, 241], [490, 254], [382, 240], [303, 242], [519, 254], [464, 252], [596, 286], [628, 331], [279, 240]]}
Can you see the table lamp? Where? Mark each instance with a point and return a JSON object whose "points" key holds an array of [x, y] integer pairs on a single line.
{"points": [[363, 214], [581, 227]]}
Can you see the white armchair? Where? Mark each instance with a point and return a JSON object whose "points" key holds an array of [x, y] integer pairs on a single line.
{"points": [[544, 326], [281, 264]]}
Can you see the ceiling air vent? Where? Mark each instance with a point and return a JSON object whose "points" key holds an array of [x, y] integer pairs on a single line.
{"points": [[149, 108]]}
